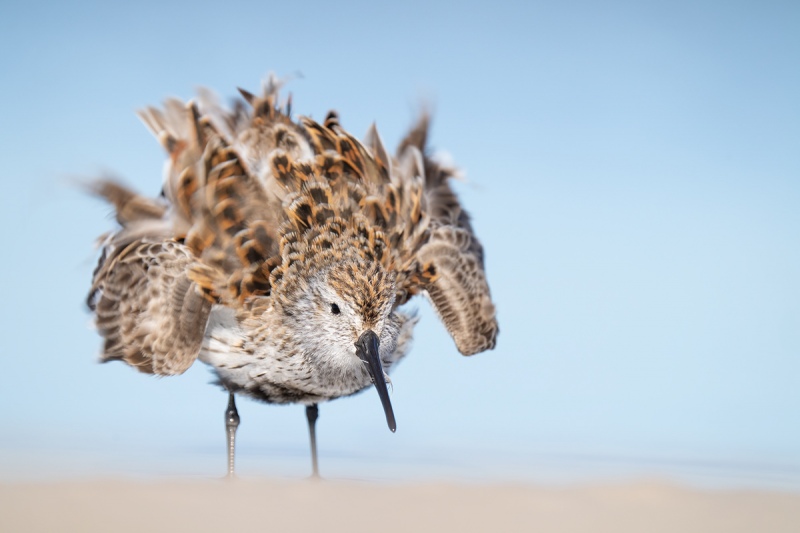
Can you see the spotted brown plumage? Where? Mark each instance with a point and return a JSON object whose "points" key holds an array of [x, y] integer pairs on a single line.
{"points": [[281, 253]]}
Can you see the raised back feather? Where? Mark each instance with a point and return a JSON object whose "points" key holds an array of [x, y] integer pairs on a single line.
{"points": [[251, 188], [253, 197]]}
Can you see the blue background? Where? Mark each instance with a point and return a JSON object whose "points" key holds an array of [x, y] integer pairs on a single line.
{"points": [[633, 170]]}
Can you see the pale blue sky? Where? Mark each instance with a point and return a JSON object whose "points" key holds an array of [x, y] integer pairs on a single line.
{"points": [[633, 171]]}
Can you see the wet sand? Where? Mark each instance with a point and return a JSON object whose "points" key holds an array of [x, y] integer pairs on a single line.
{"points": [[331, 506]]}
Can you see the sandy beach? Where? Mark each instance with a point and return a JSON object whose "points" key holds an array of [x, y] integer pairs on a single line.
{"points": [[272, 505]]}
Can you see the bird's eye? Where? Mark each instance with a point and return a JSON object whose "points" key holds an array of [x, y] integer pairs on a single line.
{"points": [[335, 309]]}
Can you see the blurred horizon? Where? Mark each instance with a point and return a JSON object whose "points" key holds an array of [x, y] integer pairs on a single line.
{"points": [[632, 171]]}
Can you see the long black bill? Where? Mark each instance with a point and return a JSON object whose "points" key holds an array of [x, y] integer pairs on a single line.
{"points": [[367, 351]]}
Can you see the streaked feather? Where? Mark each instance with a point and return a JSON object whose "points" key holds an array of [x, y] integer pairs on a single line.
{"points": [[256, 203]]}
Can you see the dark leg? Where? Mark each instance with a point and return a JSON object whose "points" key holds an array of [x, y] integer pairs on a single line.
{"points": [[231, 423], [312, 413]]}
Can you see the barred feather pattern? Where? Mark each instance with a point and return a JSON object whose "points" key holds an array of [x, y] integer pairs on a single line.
{"points": [[255, 205]]}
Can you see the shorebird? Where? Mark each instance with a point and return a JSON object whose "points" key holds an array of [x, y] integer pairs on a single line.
{"points": [[281, 252]]}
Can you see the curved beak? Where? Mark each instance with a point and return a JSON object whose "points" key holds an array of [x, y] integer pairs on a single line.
{"points": [[367, 350]]}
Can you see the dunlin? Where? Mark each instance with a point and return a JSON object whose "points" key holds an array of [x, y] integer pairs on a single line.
{"points": [[281, 252]]}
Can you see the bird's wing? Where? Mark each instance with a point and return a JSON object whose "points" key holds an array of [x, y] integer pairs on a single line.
{"points": [[459, 292], [208, 240], [151, 315], [245, 191]]}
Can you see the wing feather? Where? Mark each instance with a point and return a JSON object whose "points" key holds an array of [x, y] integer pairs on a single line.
{"points": [[151, 315], [242, 189], [460, 293], [459, 290]]}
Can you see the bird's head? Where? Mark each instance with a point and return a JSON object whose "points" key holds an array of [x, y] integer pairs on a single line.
{"points": [[344, 314]]}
